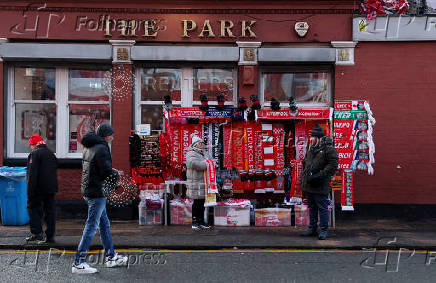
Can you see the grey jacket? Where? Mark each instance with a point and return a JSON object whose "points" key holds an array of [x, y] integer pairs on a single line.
{"points": [[195, 167]]}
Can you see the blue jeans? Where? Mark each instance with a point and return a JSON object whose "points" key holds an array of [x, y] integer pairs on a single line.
{"points": [[97, 219], [318, 203]]}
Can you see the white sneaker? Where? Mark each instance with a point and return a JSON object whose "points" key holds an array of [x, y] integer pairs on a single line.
{"points": [[116, 260], [83, 268]]}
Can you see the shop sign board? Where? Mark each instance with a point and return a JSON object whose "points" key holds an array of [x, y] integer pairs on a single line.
{"points": [[395, 28]]}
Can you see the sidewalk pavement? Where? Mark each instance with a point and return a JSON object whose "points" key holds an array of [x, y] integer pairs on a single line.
{"points": [[349, 234]]}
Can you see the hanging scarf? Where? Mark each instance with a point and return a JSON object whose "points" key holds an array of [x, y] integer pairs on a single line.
{"points": [[210, 184]]}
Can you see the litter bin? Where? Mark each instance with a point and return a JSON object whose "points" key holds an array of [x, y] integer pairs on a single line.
{"points": [[13, 196]]}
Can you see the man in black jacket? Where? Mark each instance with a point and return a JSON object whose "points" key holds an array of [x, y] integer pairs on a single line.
{"points": [[42, 185], [97, 170], [320, 164]]}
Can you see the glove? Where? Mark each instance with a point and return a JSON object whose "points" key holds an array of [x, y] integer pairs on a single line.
{"points": [[315, 177]]}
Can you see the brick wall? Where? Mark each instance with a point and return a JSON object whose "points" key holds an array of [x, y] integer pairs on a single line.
{"points": [[398, 79], [69, 184]]}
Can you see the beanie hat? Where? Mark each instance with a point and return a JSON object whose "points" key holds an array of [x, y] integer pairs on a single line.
{"points": [[317, 131], [105, 130], [35, 139], [195, 139]]}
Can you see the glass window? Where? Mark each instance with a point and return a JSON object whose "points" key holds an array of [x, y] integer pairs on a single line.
{"points": [[34, 119], [212, 82], [35, 84], [60, 104], [85, 118], [159, 82], [310, 87], [89, 85], [152, 114]]}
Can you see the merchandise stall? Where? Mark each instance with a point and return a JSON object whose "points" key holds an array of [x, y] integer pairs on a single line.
{"points": [[258, 154]]}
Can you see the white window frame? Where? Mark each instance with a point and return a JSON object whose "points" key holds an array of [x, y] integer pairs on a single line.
{"points": [[186, 89], [299, 105], [62, 114]]}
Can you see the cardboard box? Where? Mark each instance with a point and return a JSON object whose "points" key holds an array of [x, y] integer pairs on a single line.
{"points": [[181, 212], [232, 216], [273, 216], [302, 217], [150, 216]]}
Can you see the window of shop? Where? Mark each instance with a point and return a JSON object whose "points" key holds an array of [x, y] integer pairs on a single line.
{"points": [[185, 86], [310, 87], [60, 104]]}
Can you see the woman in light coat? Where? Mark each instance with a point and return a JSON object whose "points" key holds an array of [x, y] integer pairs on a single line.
{"points": [[195, 169]]}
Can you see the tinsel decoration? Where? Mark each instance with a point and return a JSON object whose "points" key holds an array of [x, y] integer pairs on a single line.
{"points": [[168, 102], [275, 104], [221, 100], [242, 104], [204, 103], [119, 191], [255, 102], [293, 109]]}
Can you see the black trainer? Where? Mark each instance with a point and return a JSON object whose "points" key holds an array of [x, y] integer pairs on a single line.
{"points": [[196, 226], [309, 233], [205, 226], [322, 235], [35, 238]]}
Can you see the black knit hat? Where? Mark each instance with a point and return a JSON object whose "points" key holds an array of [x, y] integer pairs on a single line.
{"points": [[105, 130], [317, 131]]}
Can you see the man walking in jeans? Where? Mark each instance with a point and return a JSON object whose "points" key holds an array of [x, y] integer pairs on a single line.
{"points": [[320, 164], [97, 166]]}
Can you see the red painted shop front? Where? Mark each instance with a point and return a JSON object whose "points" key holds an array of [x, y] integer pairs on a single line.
{"points": [[72, 66]]}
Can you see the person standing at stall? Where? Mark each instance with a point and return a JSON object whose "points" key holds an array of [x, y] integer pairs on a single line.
{"points": [[319, 165], [97, 167], [42, 185], [195, 168]]}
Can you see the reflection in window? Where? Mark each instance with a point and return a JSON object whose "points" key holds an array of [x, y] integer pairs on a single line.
{"points": [[35, 84], [84, 119], [212, 82], [87, 85], [34, 119], [159, 82], [152, 114], [304, 87]]}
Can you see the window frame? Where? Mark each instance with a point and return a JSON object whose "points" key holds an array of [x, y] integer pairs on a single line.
{"points": [[297, 69], [62, 108]]}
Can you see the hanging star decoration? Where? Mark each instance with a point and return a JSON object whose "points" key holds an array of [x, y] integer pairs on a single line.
{"points": [[122, 85]]}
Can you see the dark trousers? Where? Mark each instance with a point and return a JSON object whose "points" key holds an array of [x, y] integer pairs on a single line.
{"points": [[318, 203], [198, 211], [39, 207]]}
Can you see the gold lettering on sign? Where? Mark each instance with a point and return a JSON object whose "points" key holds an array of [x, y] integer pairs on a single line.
{"points": [[248, 54], [247, 27], [122, 54], [107, 27], [133, 26], [188, 27], [150, 26], [122, 26], [226, 27], [344, 55], [207, 28]]}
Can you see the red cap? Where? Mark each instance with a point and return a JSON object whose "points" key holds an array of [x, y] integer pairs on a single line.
{"points": [[35, 139]]}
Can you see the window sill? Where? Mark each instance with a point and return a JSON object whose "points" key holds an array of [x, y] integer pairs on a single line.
{"points": [[63, 163]]}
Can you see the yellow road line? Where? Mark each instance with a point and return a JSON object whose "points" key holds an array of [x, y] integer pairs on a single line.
{"points": [[216, 251]]}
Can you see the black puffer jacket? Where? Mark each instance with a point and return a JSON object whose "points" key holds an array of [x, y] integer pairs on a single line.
{"points": [[320, 161], [97, 165], [42, 175]]}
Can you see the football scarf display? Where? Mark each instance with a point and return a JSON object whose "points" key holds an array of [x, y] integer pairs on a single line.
{"points": [[347, 195], [210, 184], [353, 135], [227, 147], [297, 177]]}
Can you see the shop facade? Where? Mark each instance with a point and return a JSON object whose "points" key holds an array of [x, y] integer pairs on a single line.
{"points": [[66, 69]]}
